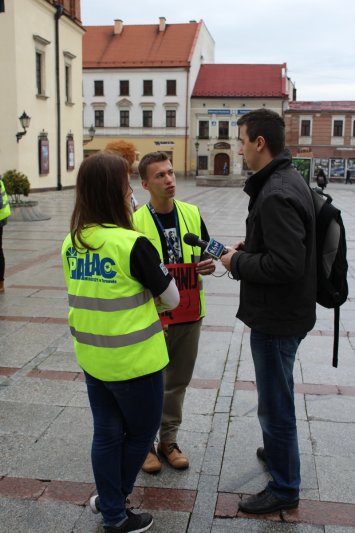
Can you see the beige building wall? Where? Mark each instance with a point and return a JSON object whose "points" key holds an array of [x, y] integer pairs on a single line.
{"points": [[173, 146], [25, 26]]}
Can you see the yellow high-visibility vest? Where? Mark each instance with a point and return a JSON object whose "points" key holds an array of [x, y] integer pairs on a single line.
{"points": [[189, 222], [114, 323], [5, 210]]}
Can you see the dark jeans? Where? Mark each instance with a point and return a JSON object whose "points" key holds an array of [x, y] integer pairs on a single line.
{"points": [[126, 419], [274, 358]]}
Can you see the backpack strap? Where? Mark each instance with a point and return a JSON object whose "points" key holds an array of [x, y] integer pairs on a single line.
{"points": [[336, 336]]}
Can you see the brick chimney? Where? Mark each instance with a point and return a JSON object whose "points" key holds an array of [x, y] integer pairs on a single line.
{"points": [[118, 27], [162, 23]]}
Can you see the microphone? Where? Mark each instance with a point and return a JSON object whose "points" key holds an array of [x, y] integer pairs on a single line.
{"points": [[213, 248], [193, 240]]}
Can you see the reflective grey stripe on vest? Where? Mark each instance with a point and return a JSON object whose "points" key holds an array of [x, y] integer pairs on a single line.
{"points": [[116, 341], [102, 304]]}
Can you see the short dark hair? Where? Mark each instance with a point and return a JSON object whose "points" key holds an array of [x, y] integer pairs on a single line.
{"points": [[268, 124], [101, 189], [149, 159]]}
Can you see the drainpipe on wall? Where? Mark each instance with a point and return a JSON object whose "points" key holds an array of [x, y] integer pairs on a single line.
{"points": [[59, 12], [186, 117]]}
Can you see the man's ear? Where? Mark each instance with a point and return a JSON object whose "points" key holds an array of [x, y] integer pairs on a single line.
{"points": [[145, 185], [260, 143]]}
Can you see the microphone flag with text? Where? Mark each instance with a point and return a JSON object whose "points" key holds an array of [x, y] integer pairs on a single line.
{"points": [[213, 248]]}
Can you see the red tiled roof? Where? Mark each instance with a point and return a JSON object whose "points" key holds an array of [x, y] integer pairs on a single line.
{"points": [[329, 105], [240, 80], [139, 46]]}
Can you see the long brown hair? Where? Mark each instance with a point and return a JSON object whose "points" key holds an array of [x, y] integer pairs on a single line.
{"points": [[101, 189]]}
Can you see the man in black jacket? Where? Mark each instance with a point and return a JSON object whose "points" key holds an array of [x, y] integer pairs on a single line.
{"points": [[277, 268]]}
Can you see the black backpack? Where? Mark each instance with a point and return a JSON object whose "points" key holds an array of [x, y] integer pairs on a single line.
{"points": [[332, 266]]}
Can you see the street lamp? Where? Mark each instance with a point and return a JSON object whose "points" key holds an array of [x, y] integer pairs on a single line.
{"points": [[25, 122], [197, 144], [91, 132]]}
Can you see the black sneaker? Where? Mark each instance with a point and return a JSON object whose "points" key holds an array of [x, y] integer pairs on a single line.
{"points": [[265, 502], [135, 523]]}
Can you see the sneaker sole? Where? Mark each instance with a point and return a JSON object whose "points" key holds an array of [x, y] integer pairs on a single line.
{"points": [[152, 472], [140, 530], [93, 506]]}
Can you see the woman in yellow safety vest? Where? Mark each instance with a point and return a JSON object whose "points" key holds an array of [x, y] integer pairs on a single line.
{"points": [[116, 286], [5, 212]]}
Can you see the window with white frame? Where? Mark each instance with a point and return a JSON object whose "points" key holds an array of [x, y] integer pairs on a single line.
{"points": [[338, 127], [203, 129], [124, 118], [40, 61], [99, 118], [223, 129], [98, 87], [305, 127], [147, 118], [171, 118], [68, 58], [171, 87], [124, 87]]}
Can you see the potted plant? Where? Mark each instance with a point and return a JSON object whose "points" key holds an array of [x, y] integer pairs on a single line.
{"points": [[17, 185]]}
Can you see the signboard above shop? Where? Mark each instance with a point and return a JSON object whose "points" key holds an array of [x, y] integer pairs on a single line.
{"points": [[224, 111]]}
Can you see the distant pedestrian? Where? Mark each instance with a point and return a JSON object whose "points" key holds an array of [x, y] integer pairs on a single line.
{"points": [[5, 212], [321, 179], [128, 151], [225, 169], [348, 177]]}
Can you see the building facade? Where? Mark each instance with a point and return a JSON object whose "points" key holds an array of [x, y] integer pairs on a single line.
{"points": [[138, 81], [41, 62], [322, 135], [223, 93]]}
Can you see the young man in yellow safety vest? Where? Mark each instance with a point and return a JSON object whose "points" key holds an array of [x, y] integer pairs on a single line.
{"points": [[165, 221]]}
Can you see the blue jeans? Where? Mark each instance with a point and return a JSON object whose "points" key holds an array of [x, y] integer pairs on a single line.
{"points": [[274, 358], [126, 417]]}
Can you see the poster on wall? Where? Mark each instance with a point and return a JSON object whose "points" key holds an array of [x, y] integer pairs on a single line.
{"points": [[303, 165], [43, 156], [70, 153], [337, 168], [320, 164]]}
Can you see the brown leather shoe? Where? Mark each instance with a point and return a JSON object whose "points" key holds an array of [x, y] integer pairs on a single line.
{"points": [[152, 465], [173, 454], [2, 289]]}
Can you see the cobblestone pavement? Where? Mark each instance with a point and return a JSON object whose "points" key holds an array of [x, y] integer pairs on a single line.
{"points": [[45, 422]]}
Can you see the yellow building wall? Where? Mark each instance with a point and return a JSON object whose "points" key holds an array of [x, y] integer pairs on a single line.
{"points": [[144, 145], [18, 25]]}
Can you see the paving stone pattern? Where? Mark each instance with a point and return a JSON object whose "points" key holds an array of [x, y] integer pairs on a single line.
{"points": [[45, 421]]}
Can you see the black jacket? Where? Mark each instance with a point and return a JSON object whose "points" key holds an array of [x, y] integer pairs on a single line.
{"points": [[277, 266]]}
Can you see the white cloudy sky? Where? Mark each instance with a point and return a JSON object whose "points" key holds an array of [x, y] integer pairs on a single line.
{"points": [[316, 38]]}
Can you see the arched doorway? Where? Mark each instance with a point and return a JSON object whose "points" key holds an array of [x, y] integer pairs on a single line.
{"points": [[221, 165]]}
